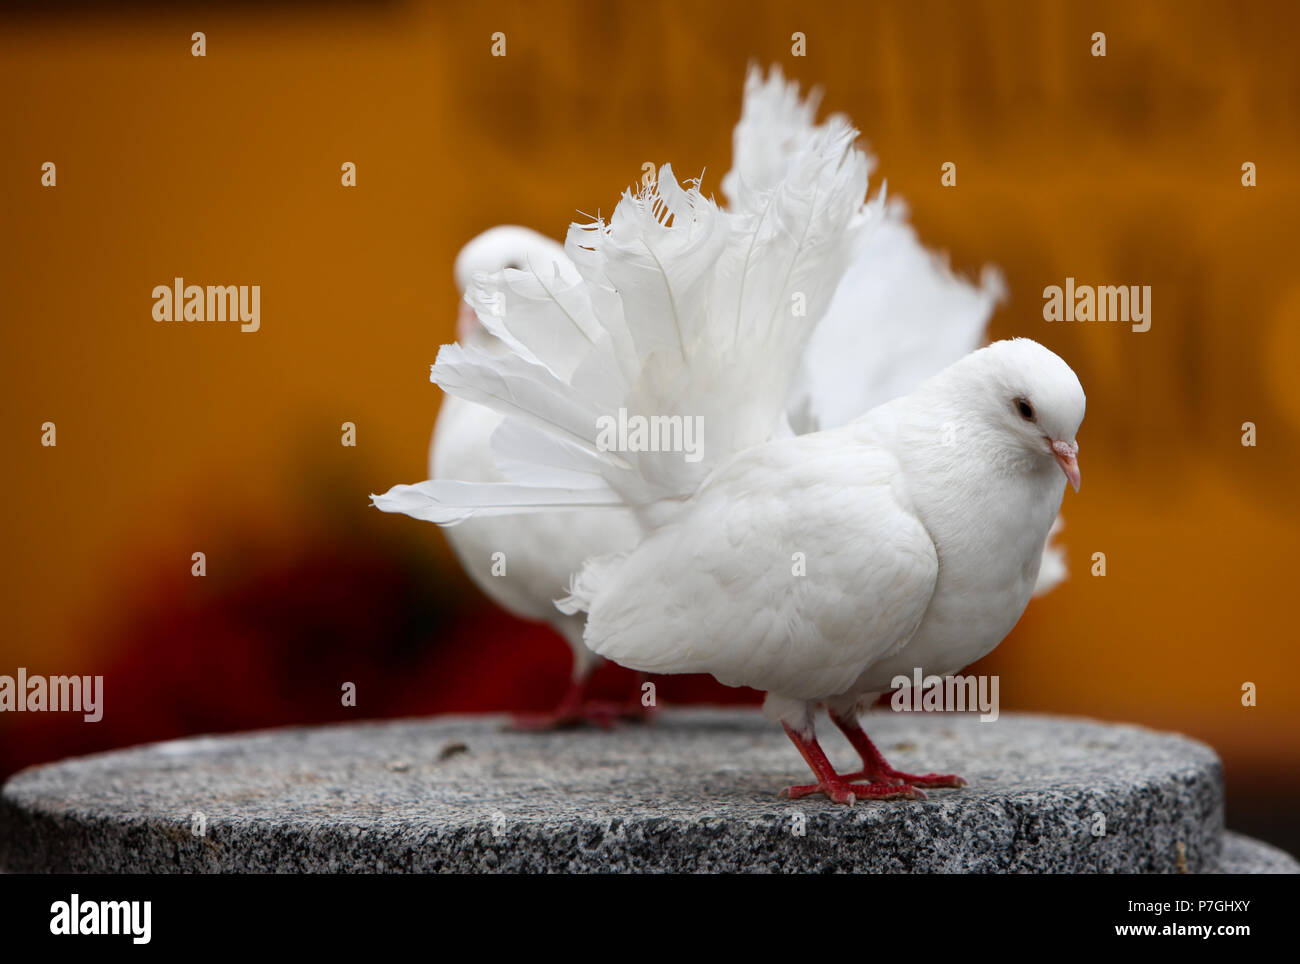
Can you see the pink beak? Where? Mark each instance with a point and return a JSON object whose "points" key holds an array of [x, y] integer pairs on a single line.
{"points": [[1067, 457]]}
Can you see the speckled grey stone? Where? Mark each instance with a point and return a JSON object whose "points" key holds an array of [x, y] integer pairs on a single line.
{"points": [[697, 791], [1241, 855]]}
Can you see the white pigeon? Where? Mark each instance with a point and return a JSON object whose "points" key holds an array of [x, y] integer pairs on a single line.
{"points": [[920, 528], [915, 532], [522, 564]]}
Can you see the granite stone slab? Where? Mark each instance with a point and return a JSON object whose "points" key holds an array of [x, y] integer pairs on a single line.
{"points": [[696, 791]]}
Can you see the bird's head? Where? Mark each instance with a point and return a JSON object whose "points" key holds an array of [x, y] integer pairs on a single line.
{"points": [[505, 246], [1028, 400]]}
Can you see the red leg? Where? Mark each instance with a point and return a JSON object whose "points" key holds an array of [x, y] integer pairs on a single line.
{"points": [[575, 711], [572, 712], [874, 766], [838, 788]]}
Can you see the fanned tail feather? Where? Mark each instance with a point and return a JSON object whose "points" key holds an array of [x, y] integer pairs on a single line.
{"points": [[899, 315], [674, 309]]}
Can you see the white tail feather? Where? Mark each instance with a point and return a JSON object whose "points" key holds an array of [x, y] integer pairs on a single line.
{"points": [[775, 124], [448, 503], [518, 388], [899, 316]]}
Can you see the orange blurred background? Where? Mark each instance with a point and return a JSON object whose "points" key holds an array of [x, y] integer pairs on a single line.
{"points": [[225, 169]]}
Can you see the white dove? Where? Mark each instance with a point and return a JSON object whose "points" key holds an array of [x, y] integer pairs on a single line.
{"points": [[922, 524], [522, 564]]}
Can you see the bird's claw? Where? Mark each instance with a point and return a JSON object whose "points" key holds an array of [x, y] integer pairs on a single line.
{"points": [[848, 793]]}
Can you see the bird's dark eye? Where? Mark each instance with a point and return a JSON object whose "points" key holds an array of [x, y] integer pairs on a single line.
{"points": [[1025, 409]]}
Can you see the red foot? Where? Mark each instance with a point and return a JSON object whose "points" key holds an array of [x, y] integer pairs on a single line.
{"points": [[876, 770], [600, 715], [575, 712], [839, 788], [843, 791]]}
